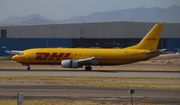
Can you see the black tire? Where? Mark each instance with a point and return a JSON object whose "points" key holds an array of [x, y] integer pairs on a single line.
{"points": [[88, 68], [28, 68]]}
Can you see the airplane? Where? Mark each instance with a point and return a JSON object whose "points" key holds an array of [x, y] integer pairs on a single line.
{"points": [[11, 52], [79, 57]]}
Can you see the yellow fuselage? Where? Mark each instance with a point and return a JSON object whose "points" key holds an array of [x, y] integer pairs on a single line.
{"points": [[54, 56]]}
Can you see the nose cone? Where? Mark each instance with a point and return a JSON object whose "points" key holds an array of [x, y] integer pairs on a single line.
{"points": [[18, 58], [14, 58]]}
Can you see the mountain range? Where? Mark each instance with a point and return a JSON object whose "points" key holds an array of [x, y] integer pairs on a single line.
{"points": [[169, 15]]}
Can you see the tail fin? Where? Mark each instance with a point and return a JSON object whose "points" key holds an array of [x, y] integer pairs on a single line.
{"points": [[151, 40], [6, 50], [12, 52]]}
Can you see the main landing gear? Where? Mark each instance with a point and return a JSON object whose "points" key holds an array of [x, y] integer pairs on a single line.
{"points": [[88, 68], [28, 68]]}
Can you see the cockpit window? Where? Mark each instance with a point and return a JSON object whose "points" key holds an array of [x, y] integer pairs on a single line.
{"points": [[22, 53]]}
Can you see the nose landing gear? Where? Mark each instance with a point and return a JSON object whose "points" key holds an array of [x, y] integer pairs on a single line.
{"points": [[28, 66]]}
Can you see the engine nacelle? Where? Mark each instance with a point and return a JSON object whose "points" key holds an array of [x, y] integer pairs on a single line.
{"points": [[69, 63]]}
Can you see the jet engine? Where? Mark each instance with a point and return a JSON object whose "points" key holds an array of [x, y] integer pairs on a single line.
{"points": [[69, 63]]}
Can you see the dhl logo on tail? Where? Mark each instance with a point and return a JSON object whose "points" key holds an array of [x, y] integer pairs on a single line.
{"points": [[151, 39]]}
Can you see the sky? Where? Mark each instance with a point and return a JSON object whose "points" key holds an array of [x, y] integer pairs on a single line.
{"points": [[65, 9]]}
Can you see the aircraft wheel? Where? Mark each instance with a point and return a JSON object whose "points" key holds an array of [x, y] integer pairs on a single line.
{"points": [[28, 68], [88, 68]]}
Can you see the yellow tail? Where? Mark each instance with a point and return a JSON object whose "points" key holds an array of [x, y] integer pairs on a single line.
{"points": [[151, 40]]}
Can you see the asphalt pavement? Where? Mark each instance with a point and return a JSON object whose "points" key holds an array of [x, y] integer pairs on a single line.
{"points": [[44, 91], [88, 93], [108, 73]]}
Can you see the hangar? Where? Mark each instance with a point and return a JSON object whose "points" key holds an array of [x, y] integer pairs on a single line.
{"points": [[117, 34]]}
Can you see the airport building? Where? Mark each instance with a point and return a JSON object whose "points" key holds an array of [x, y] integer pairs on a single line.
{"points": [[100, 34]]}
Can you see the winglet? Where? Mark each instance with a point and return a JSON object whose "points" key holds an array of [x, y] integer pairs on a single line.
{"points": [[151, 40]]}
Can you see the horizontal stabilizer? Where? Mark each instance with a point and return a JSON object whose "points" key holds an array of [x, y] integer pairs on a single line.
{"points": [[155, 51]]}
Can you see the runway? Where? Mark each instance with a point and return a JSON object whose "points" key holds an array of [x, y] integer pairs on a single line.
{"points": [[44, 91], [105, 73], [88, 93]]}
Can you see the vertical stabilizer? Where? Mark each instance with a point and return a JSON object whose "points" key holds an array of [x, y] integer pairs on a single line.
{"points": [[151, 40]]}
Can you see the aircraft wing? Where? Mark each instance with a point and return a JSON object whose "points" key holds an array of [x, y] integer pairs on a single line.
{"points": [[92, 60], [155, 51]]}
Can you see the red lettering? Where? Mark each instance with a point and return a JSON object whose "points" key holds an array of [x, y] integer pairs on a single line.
{"points": [[67, 56], [151, 38], [56, 56], [42, 56], [53, 56]]}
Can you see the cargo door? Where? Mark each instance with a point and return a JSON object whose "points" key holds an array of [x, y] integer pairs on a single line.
{"points": [[31, 55]]}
